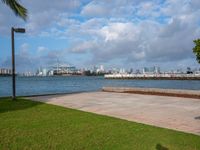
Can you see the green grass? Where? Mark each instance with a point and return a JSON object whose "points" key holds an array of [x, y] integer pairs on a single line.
{"points": [[29, 125]]}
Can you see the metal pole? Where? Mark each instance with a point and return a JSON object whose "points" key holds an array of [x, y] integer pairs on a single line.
{"points": [[13, 65]]}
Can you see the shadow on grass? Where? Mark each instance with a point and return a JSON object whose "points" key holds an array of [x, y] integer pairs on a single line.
{"points": [[160, 147], [7, 104]]}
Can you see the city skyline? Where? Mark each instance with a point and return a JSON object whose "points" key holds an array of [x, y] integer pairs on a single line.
{"points": [[115, 33], [59, 69]]}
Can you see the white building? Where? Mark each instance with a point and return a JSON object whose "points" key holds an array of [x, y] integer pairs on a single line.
{"points": [[151, 70], [101, 68], [122, 71], [4, 71], [44, 72]]}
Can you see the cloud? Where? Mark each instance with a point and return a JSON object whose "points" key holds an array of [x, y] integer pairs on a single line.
{"points": [[95, 9], [8, 20], [147, 41], [27, 61], [111, 8], [41, 49], [23, 59], [41, 15], [119, 31], [83, 46]]}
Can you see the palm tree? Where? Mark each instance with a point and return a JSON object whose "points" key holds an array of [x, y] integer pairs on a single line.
{"points": [[17, 8]]}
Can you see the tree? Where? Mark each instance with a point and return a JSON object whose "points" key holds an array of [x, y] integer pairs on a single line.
{"points": [[17, 8], [196, 49]]}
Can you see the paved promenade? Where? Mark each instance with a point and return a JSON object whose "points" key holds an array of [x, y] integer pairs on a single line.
{"points": [[177, 113]]}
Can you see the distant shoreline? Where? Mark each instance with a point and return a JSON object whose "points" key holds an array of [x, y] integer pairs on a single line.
{"points": [[155, 78], [5, 75], [167, 76], [117, 77], [55, 76]]}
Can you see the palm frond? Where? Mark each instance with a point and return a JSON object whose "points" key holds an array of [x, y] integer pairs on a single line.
{"points": [[17, 8]]}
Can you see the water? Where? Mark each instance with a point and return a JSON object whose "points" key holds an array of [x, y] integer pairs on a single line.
{"points": [[51, 85]]}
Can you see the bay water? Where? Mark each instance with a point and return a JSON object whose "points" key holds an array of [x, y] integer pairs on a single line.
{"points": [[69, 84]]}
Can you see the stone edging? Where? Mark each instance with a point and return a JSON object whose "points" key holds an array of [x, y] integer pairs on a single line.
{"points": [[155, 91]]}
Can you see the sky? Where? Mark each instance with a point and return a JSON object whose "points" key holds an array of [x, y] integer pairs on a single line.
{"points": [[113, 33]]}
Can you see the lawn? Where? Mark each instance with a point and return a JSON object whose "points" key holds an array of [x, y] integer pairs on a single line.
{"points": [[25, 124]]}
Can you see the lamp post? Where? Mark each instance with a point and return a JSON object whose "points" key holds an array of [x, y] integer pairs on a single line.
{"points": [[13, 30]]}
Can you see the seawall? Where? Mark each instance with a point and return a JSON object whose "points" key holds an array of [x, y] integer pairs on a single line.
{"points": [[155, 91]]}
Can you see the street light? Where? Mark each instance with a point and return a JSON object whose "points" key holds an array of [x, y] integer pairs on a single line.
{"points": [[13, 30]]}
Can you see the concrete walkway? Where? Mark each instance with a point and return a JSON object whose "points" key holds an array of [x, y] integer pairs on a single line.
{"points": [[181, 114]]}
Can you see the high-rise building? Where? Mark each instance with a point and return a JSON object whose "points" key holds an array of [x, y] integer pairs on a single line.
{"points": [[44, 72], [5, 71], [122, 71], [151, 70], [102, 68]]}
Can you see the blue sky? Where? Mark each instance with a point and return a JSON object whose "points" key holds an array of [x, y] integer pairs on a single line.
{"points": [[115, 33]]}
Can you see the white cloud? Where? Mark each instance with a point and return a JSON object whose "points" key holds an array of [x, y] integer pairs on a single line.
{"points": [[41, 49], [114, 31], [93, 9], [124, 30], [41, 15], [148, 9]]}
